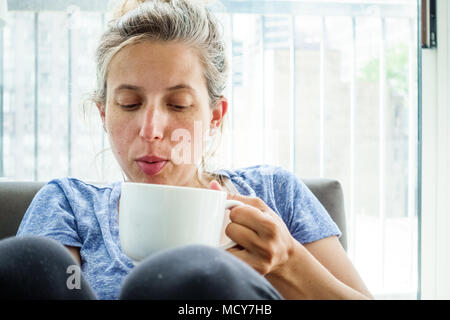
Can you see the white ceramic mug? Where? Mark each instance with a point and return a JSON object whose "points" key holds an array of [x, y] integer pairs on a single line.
{"points": [[153, 217]]}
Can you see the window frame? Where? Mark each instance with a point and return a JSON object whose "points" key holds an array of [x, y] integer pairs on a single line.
{"points": [[434, 252], [282, 7]]}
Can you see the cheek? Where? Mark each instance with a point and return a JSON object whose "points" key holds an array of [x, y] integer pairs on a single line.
{"points": [[118, 139], [196, 131], [117, 144], [120, 134]]}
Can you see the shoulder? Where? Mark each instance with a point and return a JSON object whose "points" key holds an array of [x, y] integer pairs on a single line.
{"points": [[262, 172], [271, 183], [69, 182], [73, 188], [263, 175], [260, 180]]}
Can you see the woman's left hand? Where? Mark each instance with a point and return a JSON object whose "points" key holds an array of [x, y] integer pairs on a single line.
{"points": [[264, 239]]}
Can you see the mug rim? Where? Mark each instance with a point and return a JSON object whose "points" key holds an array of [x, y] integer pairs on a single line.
{"points": [[170, 186]]}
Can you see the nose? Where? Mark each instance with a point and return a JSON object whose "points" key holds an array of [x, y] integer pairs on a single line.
{"points": [[153, 124]]}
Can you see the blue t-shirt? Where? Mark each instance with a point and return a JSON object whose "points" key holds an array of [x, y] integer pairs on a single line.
{"points": [[85, 215]]}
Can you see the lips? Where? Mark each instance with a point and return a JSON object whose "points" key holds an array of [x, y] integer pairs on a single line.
{"points": [[151, 165]]}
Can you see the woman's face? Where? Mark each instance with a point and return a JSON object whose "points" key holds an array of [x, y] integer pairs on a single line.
{"points": [[157, 112]]}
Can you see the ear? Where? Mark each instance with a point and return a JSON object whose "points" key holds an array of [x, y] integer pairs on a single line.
{"points": [[218, 113], [101, 111]]}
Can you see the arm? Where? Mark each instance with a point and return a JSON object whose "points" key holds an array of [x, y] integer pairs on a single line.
{"points": [[75, 251], [319, 270], [50, 215], [330, 253]]}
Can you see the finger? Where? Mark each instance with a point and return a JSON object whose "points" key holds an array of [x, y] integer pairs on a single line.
{"points": [[247, 216], [252, 201], [255, 202], [252, 218], [245, 237], [214, 185], [249, 258]]}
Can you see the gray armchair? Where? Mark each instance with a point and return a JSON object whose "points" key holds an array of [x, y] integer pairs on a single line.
{"points": [[15, 197]]}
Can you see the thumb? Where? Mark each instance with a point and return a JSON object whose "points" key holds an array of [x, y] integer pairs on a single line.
{"points": [[214, 185]]}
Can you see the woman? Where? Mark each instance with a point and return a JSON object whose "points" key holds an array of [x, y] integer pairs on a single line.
{"points": [[161, 68]]}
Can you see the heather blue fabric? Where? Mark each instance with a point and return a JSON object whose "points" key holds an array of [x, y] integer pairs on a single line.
{"points": [[82, 215], [85, 215]]}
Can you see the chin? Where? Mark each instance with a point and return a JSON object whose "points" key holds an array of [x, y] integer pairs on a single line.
{"points": [[153, 179], [141, 177]]}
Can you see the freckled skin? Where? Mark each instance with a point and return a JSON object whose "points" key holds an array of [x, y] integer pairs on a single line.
{"points": [[140, 76]]}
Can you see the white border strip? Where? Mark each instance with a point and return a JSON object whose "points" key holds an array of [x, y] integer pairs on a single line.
{"points": [[435, 246]]}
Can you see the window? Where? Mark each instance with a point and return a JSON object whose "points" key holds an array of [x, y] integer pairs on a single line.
{"points": [[323, 88]]}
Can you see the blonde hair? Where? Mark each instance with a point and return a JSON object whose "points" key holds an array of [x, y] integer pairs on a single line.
{"points": [[174, 20], [187, 21]]}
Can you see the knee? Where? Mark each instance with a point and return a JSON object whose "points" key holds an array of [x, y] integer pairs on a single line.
{"points": [[33, 251], [180, 273], [190, 272], [34, 268]]}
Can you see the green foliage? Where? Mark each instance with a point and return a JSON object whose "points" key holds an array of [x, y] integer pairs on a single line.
{"points": [[397, 72]]}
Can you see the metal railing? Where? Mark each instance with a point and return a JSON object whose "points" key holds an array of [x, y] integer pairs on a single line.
{"points": [[278, 22]]}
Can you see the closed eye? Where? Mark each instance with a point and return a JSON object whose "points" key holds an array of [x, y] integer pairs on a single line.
{"points": [[130, 106], [177, 107]]}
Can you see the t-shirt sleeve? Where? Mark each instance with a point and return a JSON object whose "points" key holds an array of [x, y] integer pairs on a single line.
{"points": [[50, 215], [303, 213]]}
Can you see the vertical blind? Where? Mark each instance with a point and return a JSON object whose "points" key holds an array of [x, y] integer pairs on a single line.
{"points": [[325, 89]]}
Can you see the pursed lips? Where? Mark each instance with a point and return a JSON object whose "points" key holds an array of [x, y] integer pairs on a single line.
{"points": [[151, 165]]}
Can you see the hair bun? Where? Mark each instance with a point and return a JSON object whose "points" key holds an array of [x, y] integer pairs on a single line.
{"points": [[120, 7]]}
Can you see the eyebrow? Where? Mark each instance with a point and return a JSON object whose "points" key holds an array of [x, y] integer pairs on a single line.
{"points": [[136, 88], [127, 87]]}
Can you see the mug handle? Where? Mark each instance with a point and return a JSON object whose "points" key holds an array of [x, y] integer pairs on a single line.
{"points": [[230, 204]]}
